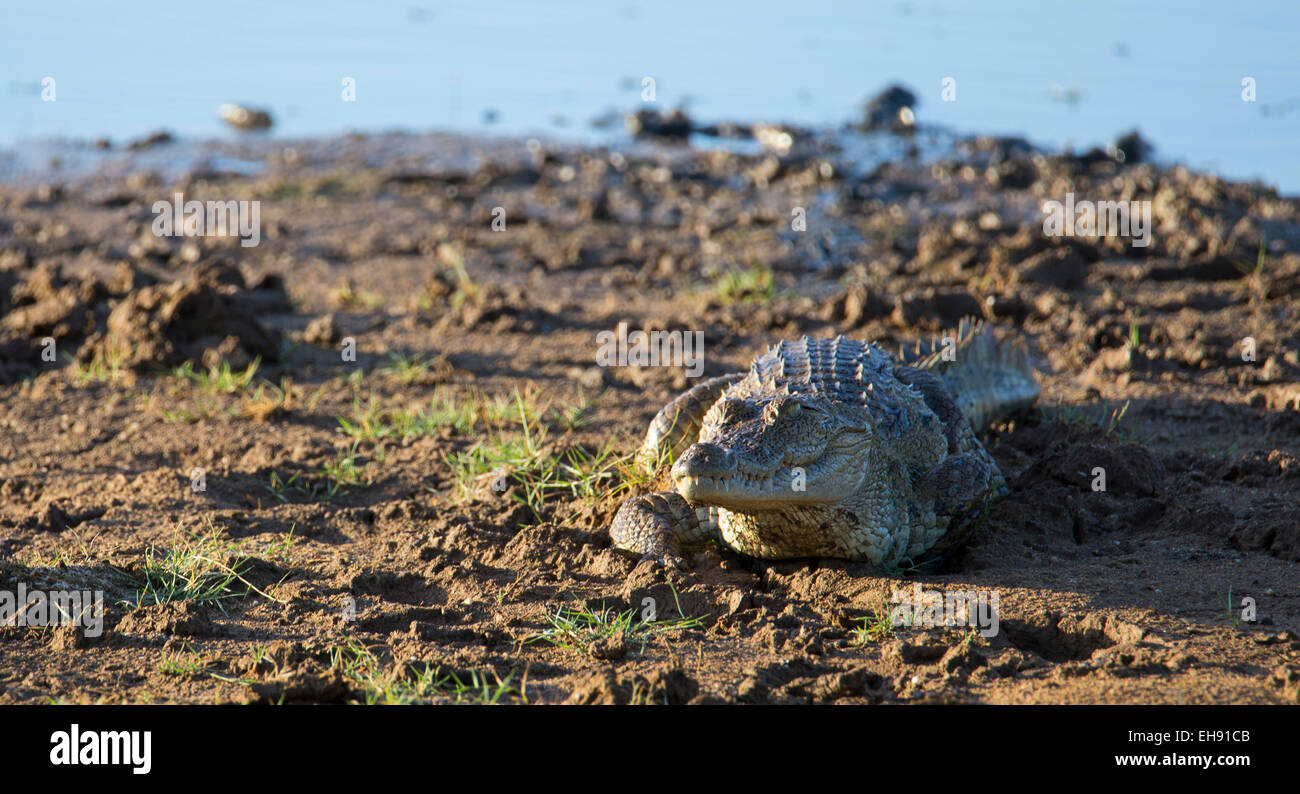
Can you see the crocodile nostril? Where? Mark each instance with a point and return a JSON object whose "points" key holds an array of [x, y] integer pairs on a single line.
{"points": [[705, 459]]}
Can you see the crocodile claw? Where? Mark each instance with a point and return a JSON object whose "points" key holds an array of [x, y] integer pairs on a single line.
{"points": [[667, 561]]}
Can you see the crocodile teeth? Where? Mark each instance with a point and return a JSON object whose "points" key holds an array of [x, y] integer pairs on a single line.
{"points": [[738, 483]]}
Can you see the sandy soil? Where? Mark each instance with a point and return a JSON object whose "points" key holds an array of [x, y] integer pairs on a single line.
{"points": [[447, 539]]}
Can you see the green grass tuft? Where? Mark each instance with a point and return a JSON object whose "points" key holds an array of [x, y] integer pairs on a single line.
{"points": [[755, 284], [334, 478], [463, 415], [410, 684], [219, 379], [875, 627], [579, 628], [203, 568]]}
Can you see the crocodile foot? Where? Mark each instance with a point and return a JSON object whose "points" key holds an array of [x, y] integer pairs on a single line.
{"points": [[653, 525]]}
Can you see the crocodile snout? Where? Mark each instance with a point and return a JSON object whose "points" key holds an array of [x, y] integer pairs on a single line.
{"points": [[705, 460]]}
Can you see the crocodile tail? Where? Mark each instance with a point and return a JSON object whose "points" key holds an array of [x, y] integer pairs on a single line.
{"points": [[989, 379]]}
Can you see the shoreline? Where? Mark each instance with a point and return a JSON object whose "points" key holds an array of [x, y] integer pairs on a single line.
{"points": [[30, 161]]}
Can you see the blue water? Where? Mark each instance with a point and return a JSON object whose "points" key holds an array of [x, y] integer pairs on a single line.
{"points": [[1059, 73]]}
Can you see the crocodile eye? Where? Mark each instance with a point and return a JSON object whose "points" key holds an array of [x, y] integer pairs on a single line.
{"points": [[777, 409]]}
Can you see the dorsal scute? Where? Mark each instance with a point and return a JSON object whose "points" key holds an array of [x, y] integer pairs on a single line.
{"points": [[840, 369]]}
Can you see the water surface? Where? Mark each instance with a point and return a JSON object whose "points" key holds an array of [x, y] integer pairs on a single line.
{"points": [[1061, 74]]}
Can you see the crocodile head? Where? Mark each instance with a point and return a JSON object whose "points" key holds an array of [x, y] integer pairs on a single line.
{"points": [[769, 451]]}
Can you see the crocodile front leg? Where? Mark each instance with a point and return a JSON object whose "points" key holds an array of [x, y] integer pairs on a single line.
{"points": [[958, 482], [654, 525], [958, 487]]}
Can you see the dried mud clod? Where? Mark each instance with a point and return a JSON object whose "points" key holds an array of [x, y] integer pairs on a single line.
{"points": [[132, 321], [201, 319]]}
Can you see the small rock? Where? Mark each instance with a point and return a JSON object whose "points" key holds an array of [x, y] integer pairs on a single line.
{"points": [[54, 519], [1131, 148], [856, 682], [672, 687], [910, 653], [70, 638], [244, 118], [1007, 306], [890, 109], [321, 331], [1271, 371], [609, 649], [855, 306], [592, 377], [738, 601], [179, 618], [751, 690], [1116, 359], [963, 656], [1060, 267], [150, 141], [653, 124], [935, 308]]}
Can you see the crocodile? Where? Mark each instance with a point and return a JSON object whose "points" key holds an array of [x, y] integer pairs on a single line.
{"points": [[832, 448]]}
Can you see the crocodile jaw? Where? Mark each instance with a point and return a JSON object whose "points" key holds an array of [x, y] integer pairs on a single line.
{"points": [[735, 490], [750, 492]]}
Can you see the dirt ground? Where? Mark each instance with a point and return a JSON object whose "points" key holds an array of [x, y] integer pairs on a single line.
{"points": [[277, 522]]}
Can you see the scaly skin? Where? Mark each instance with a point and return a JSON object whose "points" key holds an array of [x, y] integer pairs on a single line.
{"points": [[830, 448]]}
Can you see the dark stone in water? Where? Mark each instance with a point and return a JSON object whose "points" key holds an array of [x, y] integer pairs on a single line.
{"points": [[886, 110], [653, 124], [148, 142], [728, 130], [1131, 148]]}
